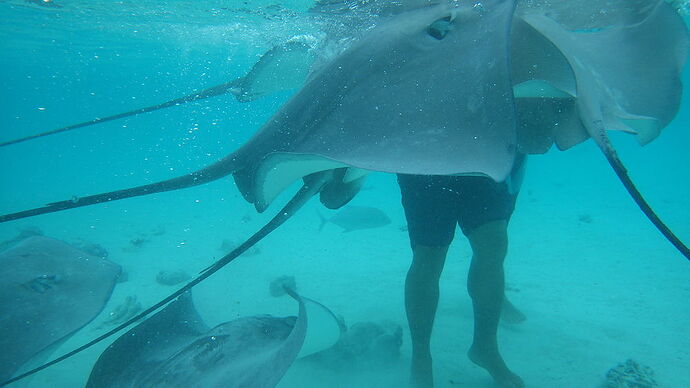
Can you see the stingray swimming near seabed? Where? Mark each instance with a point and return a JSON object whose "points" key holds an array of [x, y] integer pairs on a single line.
{"points": [[454, 88], [48, 291], [175, 348]]}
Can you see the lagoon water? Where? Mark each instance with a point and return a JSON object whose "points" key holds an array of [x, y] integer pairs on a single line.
{"points": [[598, 284]]}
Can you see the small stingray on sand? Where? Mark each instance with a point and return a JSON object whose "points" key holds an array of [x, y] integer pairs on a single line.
{"points": [[170, 278]]}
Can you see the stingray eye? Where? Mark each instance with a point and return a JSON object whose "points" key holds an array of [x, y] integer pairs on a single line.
{"points": [[440, 28]]}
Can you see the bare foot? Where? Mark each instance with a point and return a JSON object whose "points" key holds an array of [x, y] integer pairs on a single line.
{"points": [[510, 313], [494, 364], [421, 375]]}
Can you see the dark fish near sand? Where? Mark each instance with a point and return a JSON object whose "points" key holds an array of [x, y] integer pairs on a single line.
{"points": [[357, 218]]}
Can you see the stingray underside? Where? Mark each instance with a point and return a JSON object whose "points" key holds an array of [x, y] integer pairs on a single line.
{"points": [[400, 100]]}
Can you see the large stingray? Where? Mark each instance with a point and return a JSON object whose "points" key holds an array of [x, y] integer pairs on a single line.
{"points": [[455, 88], [48, 290], [567, 88], [174, 348]]}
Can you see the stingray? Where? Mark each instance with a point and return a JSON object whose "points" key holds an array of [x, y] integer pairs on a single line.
{"points": [[48, 291], [453, 88], [494, 81], [175, 348]]}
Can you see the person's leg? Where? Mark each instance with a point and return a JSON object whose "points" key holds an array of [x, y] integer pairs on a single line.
{"points": [[510, 314], [485, 284], [431, 211], [421, 300]]}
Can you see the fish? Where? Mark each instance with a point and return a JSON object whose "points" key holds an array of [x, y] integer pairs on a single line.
{"points": [[48, 291], [352, 218], [175, 348]]}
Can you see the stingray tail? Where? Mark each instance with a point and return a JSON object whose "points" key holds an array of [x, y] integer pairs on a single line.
{"points": [[221, 168], [612, 157], [206, 93], [298, 200], [278, 60]]}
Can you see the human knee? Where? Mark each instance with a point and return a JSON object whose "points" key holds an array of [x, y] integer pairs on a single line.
{"points": [[429, 259], [489, 241]]}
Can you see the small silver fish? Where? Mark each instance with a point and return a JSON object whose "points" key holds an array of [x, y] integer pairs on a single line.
{"points": [[352, 218]]}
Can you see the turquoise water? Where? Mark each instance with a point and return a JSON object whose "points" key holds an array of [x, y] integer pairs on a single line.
{"points": [[598, 283]]}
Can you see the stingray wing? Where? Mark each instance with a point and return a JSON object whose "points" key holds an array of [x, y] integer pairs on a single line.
{"points": [[48, 290], [400, 100], [625, 63], [174, 348]]}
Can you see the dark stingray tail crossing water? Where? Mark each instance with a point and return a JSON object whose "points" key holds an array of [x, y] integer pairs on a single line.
{"points": [[607, 148], [308, 190], [217, 170], [274, 60], [206, 93]]}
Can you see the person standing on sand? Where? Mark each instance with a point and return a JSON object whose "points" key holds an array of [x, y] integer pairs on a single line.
{"points": [[433, 205]]}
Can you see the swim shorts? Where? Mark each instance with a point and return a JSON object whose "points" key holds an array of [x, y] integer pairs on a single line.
{"points": [[434, 204]]}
